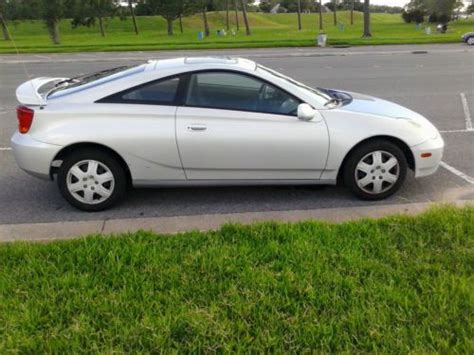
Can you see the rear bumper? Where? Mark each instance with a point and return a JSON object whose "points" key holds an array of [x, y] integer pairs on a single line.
{"points": [[428, 166], [33, 156]]}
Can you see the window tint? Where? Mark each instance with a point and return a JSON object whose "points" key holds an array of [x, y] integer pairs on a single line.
{"points": [[158, 92], [235, 91]]}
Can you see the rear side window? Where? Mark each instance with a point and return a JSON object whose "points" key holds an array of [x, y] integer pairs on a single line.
{"points": [[162, 92]]}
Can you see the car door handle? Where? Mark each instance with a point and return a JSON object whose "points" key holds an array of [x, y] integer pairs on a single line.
{"points": [[197, 127]]}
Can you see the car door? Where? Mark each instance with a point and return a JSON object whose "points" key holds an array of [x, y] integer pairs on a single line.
{"points": [[234, 126], [143, 131]]}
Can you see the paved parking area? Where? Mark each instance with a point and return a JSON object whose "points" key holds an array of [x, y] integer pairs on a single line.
{"points": [[438, 84]]}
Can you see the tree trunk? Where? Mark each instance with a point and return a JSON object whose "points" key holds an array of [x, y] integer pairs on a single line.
{"points": [[246, 21], [299, 15], [132, 12], [53, 28], [352, 12], [320, 15], [335, 13], [180, 23], [206, 24], [367, 32], [101, 26], [227, 15], [236, 14], [6, 34], [169, 23]]}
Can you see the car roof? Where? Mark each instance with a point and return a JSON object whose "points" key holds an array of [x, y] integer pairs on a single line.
{"points": [[207, 62]]}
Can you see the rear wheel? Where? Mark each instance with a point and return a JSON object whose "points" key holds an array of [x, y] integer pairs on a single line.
{"points": [[375, 170], [91, 180], [470, 41]]}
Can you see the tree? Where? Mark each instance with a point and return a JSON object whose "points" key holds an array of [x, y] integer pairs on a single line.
{"points": [[227, 22], [52, 11], [299, 15], [206, 24], [236, 14], [86, 11], [335, 13], [246, 21], [171, 10], [352, 12], [3, 21], [440, 8], [367, 31], [320, 15], [132, 12], [470, 9]]}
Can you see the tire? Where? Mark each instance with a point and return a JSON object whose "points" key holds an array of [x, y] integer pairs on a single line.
{"points": [[92, 180], [470, 41], [375, 170]]}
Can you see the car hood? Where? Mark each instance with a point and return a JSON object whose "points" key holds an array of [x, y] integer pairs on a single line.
{"points": [[376, 107]]}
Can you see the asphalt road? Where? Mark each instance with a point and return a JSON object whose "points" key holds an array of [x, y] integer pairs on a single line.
{"points": [[434, 83]]}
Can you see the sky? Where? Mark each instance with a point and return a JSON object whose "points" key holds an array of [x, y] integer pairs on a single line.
{"points": [[389, 2]]}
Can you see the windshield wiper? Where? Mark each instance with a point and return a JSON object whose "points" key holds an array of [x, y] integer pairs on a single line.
{"points": [[333, 102]]}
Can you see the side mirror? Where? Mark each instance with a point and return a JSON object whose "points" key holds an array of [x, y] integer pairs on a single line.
{"points": [[306, 112]]}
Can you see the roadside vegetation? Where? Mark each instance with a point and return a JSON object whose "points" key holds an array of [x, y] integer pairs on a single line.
{"points": [[399, 284], [268, 30]]}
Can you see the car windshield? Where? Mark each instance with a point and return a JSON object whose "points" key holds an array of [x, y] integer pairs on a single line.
{"points": [[320, 93], [87, 78]]}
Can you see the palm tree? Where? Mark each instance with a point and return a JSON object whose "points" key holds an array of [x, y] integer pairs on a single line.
{"points": [[367, 32]]}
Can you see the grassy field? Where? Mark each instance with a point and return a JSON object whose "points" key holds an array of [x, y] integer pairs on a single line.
{"points": [[268, 30], [396, 285]]}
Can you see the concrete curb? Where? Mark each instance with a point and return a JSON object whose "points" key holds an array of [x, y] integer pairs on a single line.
{"points": [[284, 52], [171, 225]]}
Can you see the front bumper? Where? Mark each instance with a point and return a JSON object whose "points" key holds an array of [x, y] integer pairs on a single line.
{"points": [[33, 156], [428, 166]]}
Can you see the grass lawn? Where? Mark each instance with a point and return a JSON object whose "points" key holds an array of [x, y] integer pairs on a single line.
{"points": [[400, 284], [268, 30]]}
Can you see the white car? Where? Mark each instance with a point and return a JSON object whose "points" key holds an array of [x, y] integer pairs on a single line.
{"points": [[213, 121]]}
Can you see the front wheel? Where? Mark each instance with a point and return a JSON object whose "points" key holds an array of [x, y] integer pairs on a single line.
{"points": [[375, 170], [91, 180], [470, 41]]}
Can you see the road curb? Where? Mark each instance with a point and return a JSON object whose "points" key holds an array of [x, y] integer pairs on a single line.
{"points": [[172, 225], [283, 52]]}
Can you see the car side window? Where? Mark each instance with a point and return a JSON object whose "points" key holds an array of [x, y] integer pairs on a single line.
{"points": [[234, 91], [158, 92]]}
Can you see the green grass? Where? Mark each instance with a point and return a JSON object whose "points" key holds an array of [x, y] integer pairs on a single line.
{"points": [[268, 30], [400, 284]]}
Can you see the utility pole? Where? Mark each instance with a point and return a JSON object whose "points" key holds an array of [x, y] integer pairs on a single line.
{"points": [[335, 13]]}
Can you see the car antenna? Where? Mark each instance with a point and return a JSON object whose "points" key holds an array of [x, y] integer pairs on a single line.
{"points": [[25, 70]]}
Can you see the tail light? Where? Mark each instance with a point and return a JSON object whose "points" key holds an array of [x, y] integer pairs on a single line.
{"points": [[25, 118]]}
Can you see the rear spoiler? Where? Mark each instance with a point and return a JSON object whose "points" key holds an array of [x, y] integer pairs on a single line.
{"points": [[30, 93]]}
